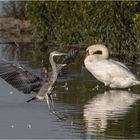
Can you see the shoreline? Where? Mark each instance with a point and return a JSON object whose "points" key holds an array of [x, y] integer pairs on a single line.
{"points": [[14, 30]]}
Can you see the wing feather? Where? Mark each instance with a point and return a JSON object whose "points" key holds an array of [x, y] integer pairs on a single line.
{"points": [[19, 78]]}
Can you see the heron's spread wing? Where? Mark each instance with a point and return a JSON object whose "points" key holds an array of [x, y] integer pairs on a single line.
{"points": [[67, 59], [19, 78], [24, 80], [60, 67], [70, 56]]}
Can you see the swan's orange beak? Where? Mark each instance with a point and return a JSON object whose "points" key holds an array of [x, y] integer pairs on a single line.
{"points": [[87, 53]]}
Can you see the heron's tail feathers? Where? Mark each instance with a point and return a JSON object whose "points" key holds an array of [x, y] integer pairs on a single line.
{"points": [[34, 98]]}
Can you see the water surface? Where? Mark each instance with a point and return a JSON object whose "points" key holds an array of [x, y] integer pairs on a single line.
{"points": [[89, 111]]}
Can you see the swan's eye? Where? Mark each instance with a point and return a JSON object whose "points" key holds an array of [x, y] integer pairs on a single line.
{"points": [[87, 53], [98, 52]]}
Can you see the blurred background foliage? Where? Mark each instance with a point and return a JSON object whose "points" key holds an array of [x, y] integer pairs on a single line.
{"points": [[115, 24]]}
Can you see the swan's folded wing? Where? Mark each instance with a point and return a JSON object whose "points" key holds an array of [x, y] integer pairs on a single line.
{"points": [[119, 63], [19, 78], [110, 69]]}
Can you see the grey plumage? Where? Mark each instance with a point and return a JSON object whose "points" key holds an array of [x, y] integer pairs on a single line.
{"points": [[27, 82]]}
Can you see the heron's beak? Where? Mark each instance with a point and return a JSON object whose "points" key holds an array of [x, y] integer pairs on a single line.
{"points": [[63, 54]]}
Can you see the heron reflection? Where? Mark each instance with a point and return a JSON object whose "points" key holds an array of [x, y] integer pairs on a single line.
{"points": [[110, 105]]}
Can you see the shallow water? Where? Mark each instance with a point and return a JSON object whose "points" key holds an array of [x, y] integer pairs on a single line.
{"points": [[89, 111]]}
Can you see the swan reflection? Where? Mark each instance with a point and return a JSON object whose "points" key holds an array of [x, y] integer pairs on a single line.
{"points": [[110, 105]]}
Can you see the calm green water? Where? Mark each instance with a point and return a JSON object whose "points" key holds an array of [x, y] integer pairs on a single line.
{"points": [[90, 112], [99, 113]]}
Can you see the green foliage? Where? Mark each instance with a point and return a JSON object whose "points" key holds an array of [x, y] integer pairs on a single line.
{"points": [[113, 23]]}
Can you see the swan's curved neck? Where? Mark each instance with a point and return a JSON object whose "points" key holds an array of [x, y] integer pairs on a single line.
{"points": [[97, 52]]}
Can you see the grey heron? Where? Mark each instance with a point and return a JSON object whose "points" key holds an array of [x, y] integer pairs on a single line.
{"points": [[47, 87], [27, 82]]}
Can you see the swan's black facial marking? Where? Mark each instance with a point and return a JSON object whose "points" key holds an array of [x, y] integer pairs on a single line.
{"points": [[87, 53], [98, 52]]}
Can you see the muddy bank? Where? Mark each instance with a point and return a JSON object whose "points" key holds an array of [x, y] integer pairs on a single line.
{"points": [[15, 30]]}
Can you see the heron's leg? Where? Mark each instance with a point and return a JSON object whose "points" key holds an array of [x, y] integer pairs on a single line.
{"points": [[51, 100], [53, 111], [47, 100]]}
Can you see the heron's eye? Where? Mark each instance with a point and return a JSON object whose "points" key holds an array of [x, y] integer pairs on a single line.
{"points": [[98, 52]]}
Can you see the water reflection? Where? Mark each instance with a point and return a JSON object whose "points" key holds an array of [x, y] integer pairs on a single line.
{"points": [[111, 105], [11, 52]]}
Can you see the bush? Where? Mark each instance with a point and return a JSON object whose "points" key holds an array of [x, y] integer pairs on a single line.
{"points": [[77, 22]]}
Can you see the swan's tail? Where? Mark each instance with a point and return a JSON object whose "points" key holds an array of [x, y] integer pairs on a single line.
{"points": [[137, 83]]}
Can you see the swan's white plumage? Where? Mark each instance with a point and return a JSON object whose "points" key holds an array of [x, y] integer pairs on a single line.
{"points": [[112, 73]]}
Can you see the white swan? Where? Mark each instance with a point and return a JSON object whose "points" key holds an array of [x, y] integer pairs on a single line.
{"points": [[112, 73]]}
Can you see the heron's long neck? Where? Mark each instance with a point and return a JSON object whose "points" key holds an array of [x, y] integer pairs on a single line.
{"points": [[52, 64]]}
